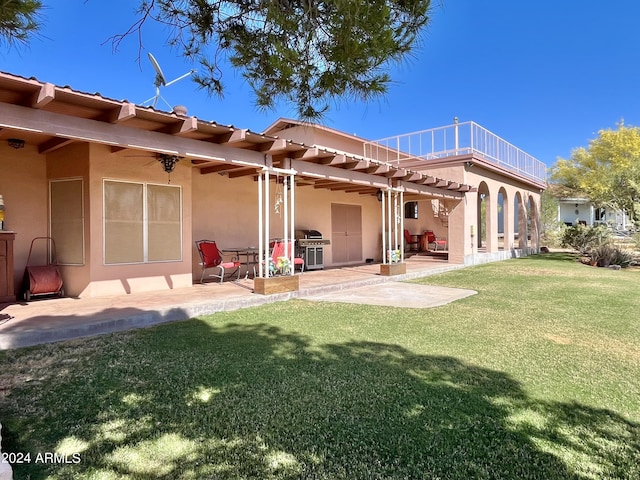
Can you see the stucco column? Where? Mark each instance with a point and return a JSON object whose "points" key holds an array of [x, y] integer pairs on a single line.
{"points": [[522, 224], [462, 216], [491, 223], [508, 216]]}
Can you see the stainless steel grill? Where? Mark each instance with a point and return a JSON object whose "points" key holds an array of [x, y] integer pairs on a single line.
{"points": [[310, 245]]}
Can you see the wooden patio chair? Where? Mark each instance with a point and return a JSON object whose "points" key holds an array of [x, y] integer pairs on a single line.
{"points": [[409, 240], [210, 257]]}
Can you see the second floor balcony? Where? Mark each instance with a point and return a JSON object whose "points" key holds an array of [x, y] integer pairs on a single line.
{"points": [[467, 138]]}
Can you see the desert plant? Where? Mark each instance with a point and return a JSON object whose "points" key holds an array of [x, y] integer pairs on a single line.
{"points": [[622, 257], [584, 239], [602, 255], [608, 254]]}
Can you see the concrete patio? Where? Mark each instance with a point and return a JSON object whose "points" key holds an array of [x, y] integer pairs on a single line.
{"points": [[48, 320]]}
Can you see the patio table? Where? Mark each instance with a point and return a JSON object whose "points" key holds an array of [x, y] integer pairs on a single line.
{"points": [[250, 255]]}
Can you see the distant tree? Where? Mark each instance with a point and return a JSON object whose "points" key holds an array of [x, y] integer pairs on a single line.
{"points": [[19, 20], [307, 52], [550, 226], [607, 171]]}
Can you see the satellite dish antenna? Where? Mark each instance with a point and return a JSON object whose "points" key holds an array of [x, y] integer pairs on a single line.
{"points": [[160, 81]]}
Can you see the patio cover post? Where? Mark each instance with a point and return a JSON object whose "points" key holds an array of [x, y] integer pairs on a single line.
{"points": [[389, 225], [260, 227], [267, 226], [264, 207], [384, 229], [288, 223], [291, 187], [401, 212], [285, 222]]}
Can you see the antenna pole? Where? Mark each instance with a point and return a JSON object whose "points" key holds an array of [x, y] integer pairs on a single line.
{"points": [[180, 78]]}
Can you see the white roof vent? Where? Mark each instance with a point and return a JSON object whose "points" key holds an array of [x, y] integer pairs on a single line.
{"points": [[180, 110]]}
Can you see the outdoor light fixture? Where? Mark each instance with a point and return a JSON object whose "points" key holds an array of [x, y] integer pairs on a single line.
{"points": [[16, 143], [469, 164], [379, 195], [168, 161]]}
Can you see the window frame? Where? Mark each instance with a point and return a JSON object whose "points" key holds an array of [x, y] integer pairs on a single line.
{"points": [[82, 220], [145, 223]]}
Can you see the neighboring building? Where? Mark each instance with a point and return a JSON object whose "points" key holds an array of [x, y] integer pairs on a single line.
{"points": [[91, 172], [575, 210]]}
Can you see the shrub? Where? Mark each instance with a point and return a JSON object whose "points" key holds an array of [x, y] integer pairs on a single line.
{"points": [[584, 239], [607, 254], [622, 257], [553, 237]]}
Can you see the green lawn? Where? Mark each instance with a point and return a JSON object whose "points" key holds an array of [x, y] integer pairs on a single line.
{"points": [[536, 377]]}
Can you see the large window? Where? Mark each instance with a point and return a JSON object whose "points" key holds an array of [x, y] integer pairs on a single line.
{"points": [[142, 222]]}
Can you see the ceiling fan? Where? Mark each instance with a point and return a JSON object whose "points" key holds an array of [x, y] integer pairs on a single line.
{"points": [[160, 81], [167, 160]]}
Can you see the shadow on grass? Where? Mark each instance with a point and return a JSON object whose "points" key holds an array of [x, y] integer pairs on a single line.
{"points": [[191, 401]]}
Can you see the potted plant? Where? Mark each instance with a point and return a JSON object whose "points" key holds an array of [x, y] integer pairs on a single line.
{"points": [[280, 279], [394, 265]]}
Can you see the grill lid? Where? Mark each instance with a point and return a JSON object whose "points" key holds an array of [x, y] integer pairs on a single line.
{"points": [[299, 234]]}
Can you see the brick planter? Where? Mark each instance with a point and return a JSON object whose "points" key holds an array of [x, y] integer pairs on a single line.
{"points": [[271, 285], [388, 269]]}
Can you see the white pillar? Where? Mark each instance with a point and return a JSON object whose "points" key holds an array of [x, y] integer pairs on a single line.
{"points": [[267, 224], [389, 221], [401, 226], [384, 228], [260, 227], [290, 189]]}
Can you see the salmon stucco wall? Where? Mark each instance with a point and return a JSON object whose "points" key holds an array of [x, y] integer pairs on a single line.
{"points": [[23, 185], [72, 162], [118, 279], [323, 137]]}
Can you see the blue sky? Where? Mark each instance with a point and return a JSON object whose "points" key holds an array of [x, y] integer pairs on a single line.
{"points": [[545, 75]]}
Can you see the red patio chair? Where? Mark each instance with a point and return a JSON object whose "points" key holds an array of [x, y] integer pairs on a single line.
{"points": [[408, 240], [435, 241], [211, 257], [279, 250]]}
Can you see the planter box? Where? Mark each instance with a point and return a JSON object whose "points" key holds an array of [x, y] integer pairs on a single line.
{"points": [[271, 285], [388, 269]]}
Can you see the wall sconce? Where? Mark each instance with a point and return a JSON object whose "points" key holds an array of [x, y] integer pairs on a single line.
{"points": [[379, 195], [16, 143]]}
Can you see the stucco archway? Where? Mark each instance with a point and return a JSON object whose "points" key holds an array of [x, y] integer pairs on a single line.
{"points": [[502, 216], [487, 219], [533, 223], [520, 220]]}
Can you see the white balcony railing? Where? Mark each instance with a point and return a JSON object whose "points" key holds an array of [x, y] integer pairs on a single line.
{"points": [[458, 139]]}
